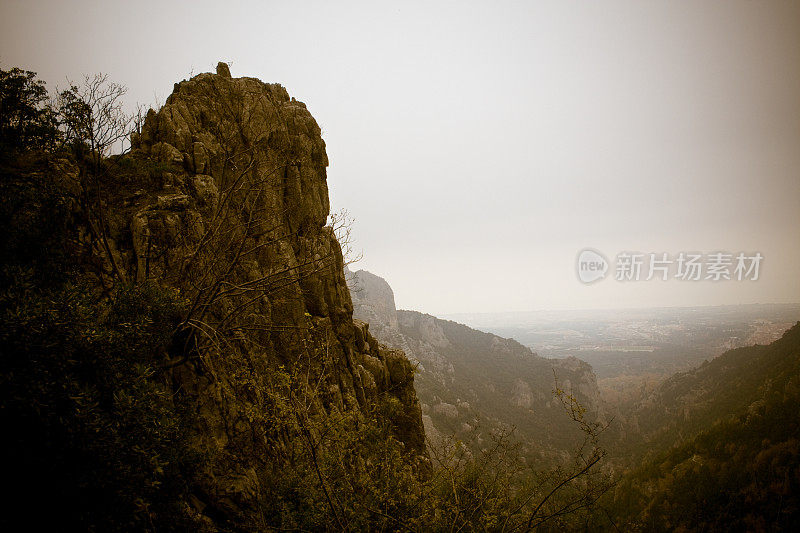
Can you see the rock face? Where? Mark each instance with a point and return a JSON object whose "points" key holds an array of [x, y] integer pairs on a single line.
{"points": [[373, 298], [473, 383], [236, 220]]}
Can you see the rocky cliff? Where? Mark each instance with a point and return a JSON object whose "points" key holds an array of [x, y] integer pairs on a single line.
{"points": [[235, 218], [373, 299]]}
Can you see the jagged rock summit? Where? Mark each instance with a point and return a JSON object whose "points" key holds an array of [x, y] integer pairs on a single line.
{"points": [[223, 70], [373, 299], [236, 220]]}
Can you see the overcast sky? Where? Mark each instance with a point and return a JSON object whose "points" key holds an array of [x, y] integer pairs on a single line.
{"points": [[481, 145]]}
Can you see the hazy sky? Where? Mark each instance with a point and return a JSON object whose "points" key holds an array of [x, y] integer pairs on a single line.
{"points": [[481, 145]]}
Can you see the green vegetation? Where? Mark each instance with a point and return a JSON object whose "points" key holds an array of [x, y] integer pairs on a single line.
{"points": [[26, 121], [725, 448], [499, 385], [90, 427], [346, 472], [105, 400], [131, 403], [127, 406]]}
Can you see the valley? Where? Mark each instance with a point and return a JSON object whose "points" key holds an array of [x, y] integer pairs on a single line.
{"points": [[631, 350], [698, 406]]}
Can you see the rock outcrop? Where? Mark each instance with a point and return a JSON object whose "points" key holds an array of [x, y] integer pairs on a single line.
{"points": [[235, 218], [373, 298]]}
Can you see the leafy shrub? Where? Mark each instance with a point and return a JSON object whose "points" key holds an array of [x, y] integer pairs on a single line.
{"points": [[94, 434], [26, 120]]}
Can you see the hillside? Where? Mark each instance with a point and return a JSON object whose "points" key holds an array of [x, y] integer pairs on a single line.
{"points": [[472, 383], [722, 446], [689, 402]]}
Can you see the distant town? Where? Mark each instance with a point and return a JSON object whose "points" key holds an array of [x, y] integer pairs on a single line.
{"points": [[634, 342]]}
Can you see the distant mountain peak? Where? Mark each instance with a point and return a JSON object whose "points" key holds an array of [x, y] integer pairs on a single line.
{"points": [[472, 383]]}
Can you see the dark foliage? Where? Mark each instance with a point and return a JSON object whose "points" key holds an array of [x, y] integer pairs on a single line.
{"points": [[92, 431], [27, 122], [741, 470]]}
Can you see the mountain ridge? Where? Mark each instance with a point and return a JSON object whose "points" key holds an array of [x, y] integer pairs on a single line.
{"points": [[472, 383]]}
